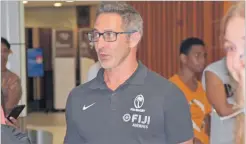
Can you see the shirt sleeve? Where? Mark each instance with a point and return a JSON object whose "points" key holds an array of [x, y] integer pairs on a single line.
{"points": [[177, 117], [72, 136]]}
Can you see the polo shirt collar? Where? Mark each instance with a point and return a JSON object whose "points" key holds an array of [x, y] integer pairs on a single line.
{"points": [[137, 78]]}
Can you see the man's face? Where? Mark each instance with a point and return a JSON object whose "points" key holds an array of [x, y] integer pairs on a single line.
{"points": [[235, 45], [111, 54], [196, 58], [4, 55]]}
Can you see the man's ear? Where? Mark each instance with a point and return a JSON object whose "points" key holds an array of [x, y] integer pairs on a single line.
{"points": [[183, 58], [134, 39]]}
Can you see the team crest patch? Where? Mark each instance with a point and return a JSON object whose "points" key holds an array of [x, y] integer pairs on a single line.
{"points": [[138, 119]]}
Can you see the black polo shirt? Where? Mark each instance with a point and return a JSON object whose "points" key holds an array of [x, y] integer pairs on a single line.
{"points": [[146, 109]]}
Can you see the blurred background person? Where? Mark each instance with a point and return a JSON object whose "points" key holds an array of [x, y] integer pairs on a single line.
{"points": [[192, 59], [220, 86], [219, 90], [11, 85], [233, 32], [93, 70]]}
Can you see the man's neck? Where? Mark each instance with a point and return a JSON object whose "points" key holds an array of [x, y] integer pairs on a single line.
{"points": [[4, 69], [187, 75], [117, 76]]}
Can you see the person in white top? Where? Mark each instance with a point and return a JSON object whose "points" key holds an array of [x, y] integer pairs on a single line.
{"points": [[234, 35], [220, 90], [93, 70]]}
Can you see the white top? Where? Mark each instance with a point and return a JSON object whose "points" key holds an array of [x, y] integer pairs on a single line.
{"points": [[222, 131], [93, 70]]}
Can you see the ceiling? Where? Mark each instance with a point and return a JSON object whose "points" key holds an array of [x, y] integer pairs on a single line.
{"points": [[51, 3]]}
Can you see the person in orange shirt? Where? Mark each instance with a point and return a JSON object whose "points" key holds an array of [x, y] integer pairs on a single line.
{"points": [[192, 58]]}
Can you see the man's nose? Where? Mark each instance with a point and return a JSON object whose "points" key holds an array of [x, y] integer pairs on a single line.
{"points": [[100, 43]]}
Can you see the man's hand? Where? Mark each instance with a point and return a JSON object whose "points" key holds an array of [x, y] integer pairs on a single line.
{"points": [[12, 123]]}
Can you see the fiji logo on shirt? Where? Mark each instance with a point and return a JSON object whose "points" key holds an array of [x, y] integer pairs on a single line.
{"points": [[139, 101], [137, 120]]}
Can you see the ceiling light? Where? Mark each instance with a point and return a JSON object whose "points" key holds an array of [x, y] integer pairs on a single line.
{"points": [[25, 2], [70, 1], [57, 4]]}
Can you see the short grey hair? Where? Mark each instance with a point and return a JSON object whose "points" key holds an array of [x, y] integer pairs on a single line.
{"points": [[131, 19]]}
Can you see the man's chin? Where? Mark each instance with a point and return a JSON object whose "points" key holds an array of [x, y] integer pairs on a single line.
{"points": [[200, 69], [106, 65]]}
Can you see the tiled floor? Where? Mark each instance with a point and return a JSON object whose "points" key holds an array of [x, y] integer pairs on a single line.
{"points": [[51, 122]]}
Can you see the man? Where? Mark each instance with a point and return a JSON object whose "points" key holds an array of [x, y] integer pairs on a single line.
{"points": [[10, 96], [11, 85], [126, 103], [192, 58], [93, 70]]}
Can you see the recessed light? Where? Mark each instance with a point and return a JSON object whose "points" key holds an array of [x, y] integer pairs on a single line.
{"points": [[70, 1], [25, 2], [57, 4]]}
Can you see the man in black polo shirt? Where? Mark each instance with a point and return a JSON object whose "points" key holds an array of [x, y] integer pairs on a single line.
{"points": [[126, 103]]}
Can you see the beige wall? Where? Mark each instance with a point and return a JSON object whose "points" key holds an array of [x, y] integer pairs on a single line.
{"points": [[93, 15], [50, 17], [59, 18]]}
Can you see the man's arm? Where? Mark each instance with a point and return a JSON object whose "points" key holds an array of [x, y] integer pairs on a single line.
{"points": [[13, 94], [178, 124], [216, 94], [72, 136]]}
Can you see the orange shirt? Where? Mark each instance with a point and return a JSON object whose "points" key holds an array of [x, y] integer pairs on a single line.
{"points": [[199, 106]]}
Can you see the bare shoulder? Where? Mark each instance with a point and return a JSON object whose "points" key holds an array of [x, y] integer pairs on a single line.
{"points": [[212, 77]]}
